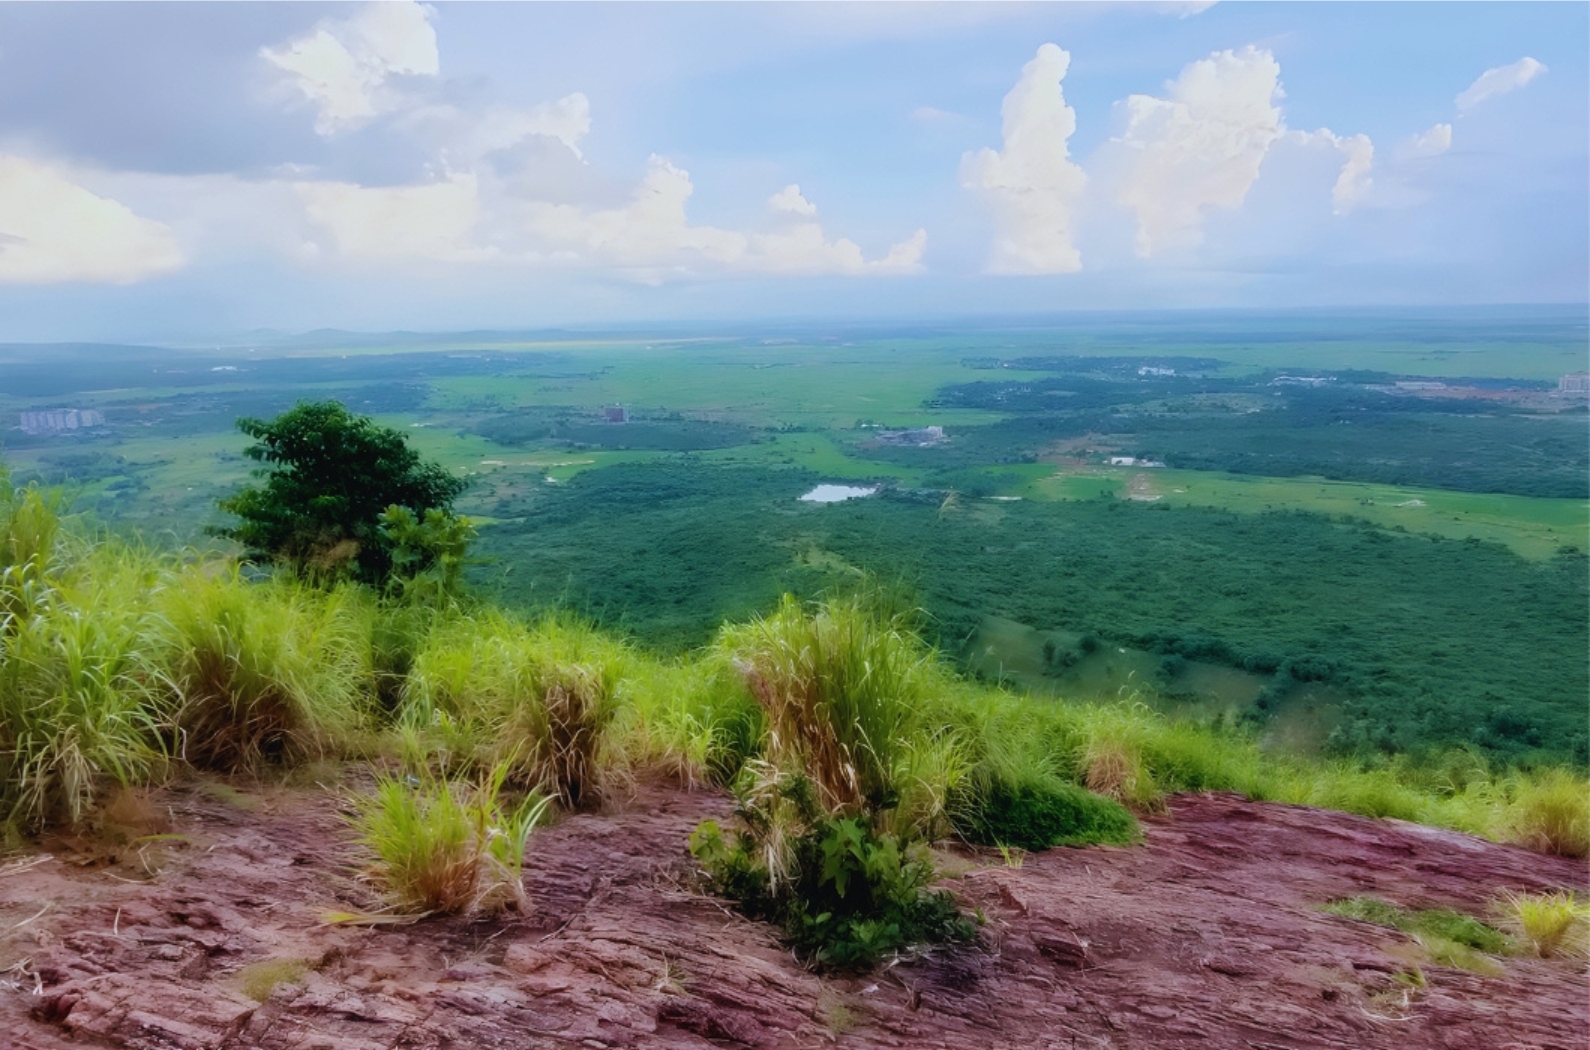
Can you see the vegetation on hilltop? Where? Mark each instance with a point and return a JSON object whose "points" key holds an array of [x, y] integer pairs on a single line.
{"points": [[834, 722], [328, 481]]}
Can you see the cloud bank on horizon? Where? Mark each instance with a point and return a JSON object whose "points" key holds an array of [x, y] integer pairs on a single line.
{"points": [[378, 161]]}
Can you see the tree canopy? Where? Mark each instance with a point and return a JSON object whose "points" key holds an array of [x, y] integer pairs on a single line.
{"points": [[327, 480]]}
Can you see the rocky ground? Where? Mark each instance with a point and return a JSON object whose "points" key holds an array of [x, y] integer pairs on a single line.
{"points": [[1208, 935]]}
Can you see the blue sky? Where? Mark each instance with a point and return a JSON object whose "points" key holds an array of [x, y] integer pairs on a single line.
{"points": [[171, 171]]}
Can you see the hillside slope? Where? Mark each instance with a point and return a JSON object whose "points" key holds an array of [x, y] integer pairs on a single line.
{"points": [[1207, 935]]}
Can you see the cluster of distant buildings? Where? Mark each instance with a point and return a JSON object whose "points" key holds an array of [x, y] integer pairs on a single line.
{"points": [[61, 419], [922, 437], [1576, 383]]}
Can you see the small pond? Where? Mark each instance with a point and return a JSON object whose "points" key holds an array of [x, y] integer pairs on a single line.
{"points": [[835, 493]]}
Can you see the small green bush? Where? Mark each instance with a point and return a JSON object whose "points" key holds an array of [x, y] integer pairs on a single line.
{"points": [[1039, 813], [845, 895]]}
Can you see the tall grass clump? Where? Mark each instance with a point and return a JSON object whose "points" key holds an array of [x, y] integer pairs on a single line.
{"points": [[841, 688], [691, 721], [76, 711], [30, 543], [488, 688], [259, 672], [833, 821], [444, 848], [1551, 924], [75, 703], [398, 629], [1551, 813]]}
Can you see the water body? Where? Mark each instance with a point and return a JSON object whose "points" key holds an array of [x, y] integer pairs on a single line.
{"points": [[836, 493]]}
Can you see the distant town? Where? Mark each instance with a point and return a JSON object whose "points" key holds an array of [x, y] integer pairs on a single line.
{"points": [[62, 419]]}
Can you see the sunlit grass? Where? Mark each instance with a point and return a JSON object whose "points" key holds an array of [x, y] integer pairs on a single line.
{"points": [[443, 847], [1551, 924], [845, 688], [490, 688], [275, 670], [1551, 813]]}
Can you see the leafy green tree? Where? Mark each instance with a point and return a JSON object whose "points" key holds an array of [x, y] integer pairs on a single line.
{"points": [[327, 482]]}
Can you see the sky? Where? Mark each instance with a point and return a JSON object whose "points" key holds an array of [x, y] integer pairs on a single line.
{"points": [[182, 171]]}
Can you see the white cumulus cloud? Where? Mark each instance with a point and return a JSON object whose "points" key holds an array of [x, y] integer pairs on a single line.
{"points": [[1358, 160], [53, 230], [434, 221], [515, 188], [1198, 149], [651, 236], [1429, 143], [1499, 81], [790, 200], [342, 67], [467, 137], [1352, 185], [1032, 185]]}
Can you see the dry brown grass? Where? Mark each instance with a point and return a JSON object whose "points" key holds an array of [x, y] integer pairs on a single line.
{"points": [[1114, 768]]}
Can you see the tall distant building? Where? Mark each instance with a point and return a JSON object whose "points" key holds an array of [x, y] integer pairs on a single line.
{"points": [[1577, 383], [617, 414], [61, 419]]}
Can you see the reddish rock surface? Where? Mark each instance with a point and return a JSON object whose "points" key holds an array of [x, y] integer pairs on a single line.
{"points": [[1208, 935]]}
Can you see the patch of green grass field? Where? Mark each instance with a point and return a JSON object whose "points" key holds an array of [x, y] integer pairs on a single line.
{"points": [[827, 387], [1533, 527]]}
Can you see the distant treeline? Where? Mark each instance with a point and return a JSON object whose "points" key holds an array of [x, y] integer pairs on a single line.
{"points": [[1343, 432]]}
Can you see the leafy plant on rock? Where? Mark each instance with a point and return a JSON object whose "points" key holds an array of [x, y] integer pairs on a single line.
{"points": [[844, 894]]}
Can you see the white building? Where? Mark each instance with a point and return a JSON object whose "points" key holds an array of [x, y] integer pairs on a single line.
{"points": [[61, 419]]}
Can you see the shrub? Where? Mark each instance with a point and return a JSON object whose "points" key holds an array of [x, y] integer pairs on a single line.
{"points": [[1038, 813], [442, 848], [859, 768], [844, 894], [327, 477]]}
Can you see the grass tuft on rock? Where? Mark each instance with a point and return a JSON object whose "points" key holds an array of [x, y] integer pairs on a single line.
{"points": [[444, 848]]}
